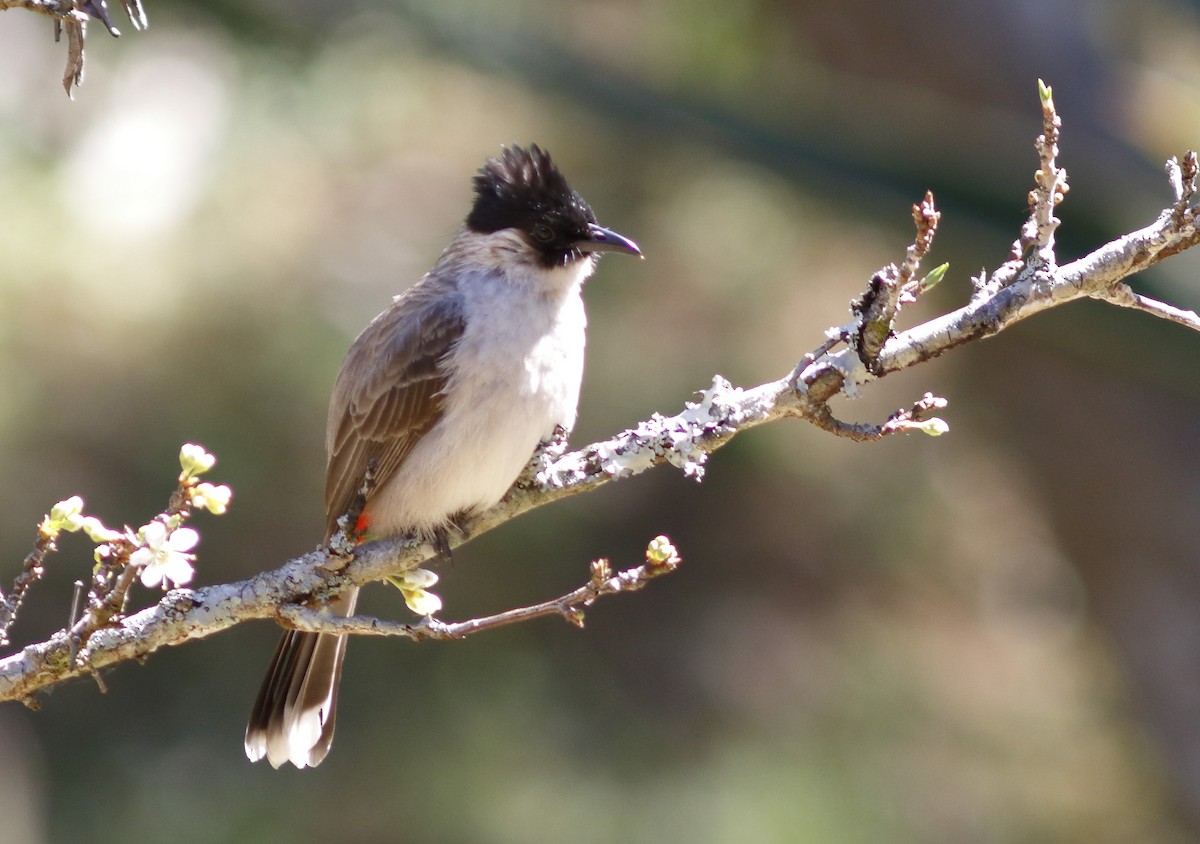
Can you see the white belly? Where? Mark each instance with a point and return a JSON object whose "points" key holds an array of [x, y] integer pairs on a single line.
{"points": [[518, 369]]}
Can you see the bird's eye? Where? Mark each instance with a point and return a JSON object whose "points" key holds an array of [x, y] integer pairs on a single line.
{"points": [[542, 233]]}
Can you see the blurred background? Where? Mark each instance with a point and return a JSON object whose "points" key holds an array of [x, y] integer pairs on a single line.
{"points": [[989, 637]]}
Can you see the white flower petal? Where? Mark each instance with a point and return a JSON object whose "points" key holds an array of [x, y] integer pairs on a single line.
{"points": [[184, 539], [422, 602], [178, 569], [153, 535], [419, 579], [152, 577]]}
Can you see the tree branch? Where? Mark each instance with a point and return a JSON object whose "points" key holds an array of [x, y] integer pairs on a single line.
{"points": [[661, 558], [1029, 282], [73, 16]]}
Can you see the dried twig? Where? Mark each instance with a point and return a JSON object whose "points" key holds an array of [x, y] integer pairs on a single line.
{"points": [[892, 287], [31, 571], [73, 16], [660, 559]]}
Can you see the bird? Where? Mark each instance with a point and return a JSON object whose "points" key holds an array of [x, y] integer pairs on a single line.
{"points": [[444, 398]]}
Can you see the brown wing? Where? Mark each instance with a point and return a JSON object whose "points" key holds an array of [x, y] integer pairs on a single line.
{"points": [[388, 393]]}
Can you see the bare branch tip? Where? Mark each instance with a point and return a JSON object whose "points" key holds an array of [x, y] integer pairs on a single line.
{"points": [[601, 572], [1182, 176], [925, 219]]}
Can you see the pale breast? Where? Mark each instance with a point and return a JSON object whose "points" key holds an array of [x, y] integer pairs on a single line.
{"points": [[516, 375]]}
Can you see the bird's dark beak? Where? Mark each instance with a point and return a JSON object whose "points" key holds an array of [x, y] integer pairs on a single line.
{"points": [[600, 239]]}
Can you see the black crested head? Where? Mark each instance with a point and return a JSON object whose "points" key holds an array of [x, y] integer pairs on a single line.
{"points": [[524, 190]]}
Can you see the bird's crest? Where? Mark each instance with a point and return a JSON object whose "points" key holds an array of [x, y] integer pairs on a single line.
{"points": [[521, 185]]}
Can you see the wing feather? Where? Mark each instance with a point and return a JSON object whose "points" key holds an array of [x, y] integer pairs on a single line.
{"points": [[389, 392]]}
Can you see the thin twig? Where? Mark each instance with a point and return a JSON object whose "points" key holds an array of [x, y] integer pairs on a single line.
{"points": [[76, 597], [892, 287], [72, 16], [1182, 177], [1124, 296], [1050, 186], [915, 418], [31, 571], [569, 607], [925, 218]]}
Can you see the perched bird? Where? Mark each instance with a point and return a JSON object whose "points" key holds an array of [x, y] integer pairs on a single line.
{"points": [[446, 394]]}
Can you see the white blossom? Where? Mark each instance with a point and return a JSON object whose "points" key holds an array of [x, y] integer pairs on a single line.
{"points": [[164, 557]]}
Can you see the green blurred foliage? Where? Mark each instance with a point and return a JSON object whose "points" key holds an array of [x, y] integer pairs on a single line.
{"points": [[985, 637]]}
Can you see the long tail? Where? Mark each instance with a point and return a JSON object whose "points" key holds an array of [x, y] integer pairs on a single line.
{"points": [[292, 719]]}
